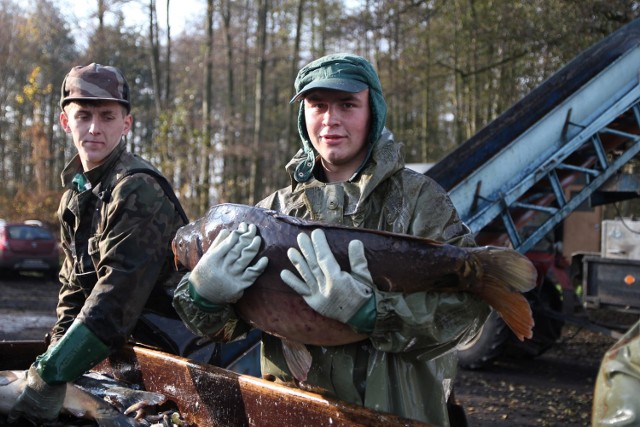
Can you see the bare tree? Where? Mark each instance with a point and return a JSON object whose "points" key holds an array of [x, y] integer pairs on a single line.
{"points": [[167, 66], [207, 105], [290, 128], [261, 47], [154, 53]]}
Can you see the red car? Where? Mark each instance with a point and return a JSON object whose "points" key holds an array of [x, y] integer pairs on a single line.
{"points": [[28, 246]]}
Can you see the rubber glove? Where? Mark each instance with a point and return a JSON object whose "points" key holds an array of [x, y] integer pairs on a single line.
{"points": [[324, 286], [39, 401], [75, 353], [223, 272]]}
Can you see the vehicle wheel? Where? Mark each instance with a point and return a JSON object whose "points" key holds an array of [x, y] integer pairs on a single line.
{"points": [[547, 330], [487, 346]]}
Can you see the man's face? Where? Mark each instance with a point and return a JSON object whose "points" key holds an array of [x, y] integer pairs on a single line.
{"points": [[96, 129], [338, 126]]}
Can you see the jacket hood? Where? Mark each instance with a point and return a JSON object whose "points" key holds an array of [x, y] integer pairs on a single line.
{"points": [[344, 72]]}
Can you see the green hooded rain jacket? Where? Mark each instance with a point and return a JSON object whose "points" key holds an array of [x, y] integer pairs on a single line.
{"points": [[408, 364]]}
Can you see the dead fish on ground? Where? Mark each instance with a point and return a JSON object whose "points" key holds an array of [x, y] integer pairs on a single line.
{"points": [[77, 402], [81, 403], [496, 275], [126, 398]]}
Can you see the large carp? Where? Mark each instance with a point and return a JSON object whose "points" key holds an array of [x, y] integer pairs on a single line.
{"points": [[398, 263]]}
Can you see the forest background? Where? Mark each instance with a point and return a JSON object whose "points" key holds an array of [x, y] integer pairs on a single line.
{"points": [[211, 102]]}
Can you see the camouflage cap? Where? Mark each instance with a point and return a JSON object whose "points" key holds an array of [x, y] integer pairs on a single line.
{"points": [[95, 82]]}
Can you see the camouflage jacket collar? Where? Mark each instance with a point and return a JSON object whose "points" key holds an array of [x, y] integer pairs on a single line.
{"points": [[95, 175]]}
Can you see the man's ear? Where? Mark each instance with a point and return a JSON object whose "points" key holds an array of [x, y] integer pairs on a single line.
{"points": [[128, 122], [64, 122]]}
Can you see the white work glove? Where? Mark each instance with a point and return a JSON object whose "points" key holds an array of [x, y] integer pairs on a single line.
{"points": [[324, 286], [223, 272]]}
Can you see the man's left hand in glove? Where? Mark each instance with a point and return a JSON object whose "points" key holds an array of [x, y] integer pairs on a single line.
{"points": [[324, 286]]}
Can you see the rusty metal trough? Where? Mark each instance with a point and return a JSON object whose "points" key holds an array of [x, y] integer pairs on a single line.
{"points": [[206, 395]]}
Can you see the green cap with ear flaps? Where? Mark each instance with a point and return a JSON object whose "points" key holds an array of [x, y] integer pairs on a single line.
{"points": [[344, 72]]}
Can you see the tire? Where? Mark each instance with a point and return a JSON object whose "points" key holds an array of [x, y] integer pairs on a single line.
{"points": [[487, 346]]}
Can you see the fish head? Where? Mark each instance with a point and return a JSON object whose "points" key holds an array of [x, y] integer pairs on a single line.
{"points": [[187, 247]]}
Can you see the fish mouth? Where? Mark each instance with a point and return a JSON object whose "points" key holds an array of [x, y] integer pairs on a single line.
{"points": [[176, 262]]}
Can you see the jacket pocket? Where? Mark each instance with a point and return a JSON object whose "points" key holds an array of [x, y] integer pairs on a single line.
{"points": [[94, 246]]}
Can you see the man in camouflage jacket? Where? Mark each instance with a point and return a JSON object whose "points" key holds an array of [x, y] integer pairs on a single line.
{"points": [[118, 217]]}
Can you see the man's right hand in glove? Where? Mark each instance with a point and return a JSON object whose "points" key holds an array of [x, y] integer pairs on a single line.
{"points": [[39, 401], [75, 353], [223, 272]]}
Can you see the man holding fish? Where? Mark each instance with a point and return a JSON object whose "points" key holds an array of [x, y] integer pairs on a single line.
{"points": [[349, 171], [118, 216]]}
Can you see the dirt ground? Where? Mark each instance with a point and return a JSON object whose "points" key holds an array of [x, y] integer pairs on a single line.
{"points": [[27, 307], [555, 389]]}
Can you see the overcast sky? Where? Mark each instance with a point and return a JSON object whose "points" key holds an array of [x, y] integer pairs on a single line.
{"points": [[182, 13]]}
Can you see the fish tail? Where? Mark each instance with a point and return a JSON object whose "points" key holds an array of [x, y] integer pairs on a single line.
{"points": [[506, 274]]}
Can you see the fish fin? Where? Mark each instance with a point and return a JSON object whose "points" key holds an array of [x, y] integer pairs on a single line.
{"points": [[505, 275], [298, 359]]}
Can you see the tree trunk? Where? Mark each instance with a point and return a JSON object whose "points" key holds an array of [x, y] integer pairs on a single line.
{"points": [[291, 134], [261, 46], [207, 103], [155, 56], [229, 190], [167, 69]]}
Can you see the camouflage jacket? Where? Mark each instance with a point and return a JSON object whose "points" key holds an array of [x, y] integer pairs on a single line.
{"points": [[116, 236], [408, 364]]}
